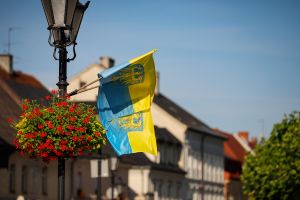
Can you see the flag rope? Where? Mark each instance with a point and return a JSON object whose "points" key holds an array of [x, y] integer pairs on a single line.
{"points": [[82, 89]]}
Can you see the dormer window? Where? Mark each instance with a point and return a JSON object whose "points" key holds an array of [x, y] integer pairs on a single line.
{"points": [[82, 83]]}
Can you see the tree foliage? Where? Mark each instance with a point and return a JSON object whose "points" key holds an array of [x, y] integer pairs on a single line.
{"points": [[272, 171]]}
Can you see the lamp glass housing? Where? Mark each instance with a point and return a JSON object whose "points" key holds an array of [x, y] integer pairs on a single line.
{"points": [[64, 18], [78, 15], [59, 13]]}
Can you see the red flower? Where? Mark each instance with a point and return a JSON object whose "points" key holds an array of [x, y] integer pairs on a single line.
{"points": [[44, 154], [72, 119], [71, 127], [81, 129], [86, 120], [75, 138], [52, 158], [59, 117], [49, 124], [30, 136], [24, 107], [54, 92], [58, 153], [9, 120], [40, 126], [64, 142], [59, 129], [47, 97], [89, 138], [43, 134], [63, 147], [31, 116], [50, 110], [36, 111], [88, 147], [72, 109], [97, 134], [14, 141]]}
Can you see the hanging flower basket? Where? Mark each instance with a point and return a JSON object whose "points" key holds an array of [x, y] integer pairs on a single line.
{"points": [[58, 129]]}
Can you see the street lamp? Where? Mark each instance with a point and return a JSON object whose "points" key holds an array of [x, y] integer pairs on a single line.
{"points": [[64, 18], [113, 168]]}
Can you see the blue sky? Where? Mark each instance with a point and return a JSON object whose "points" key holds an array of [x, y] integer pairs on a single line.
{"points": [[233, 64]]}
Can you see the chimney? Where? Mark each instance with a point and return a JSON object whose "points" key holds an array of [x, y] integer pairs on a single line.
{"points": [[6, 63], [244, 135], [107, 61], [253, 142]]}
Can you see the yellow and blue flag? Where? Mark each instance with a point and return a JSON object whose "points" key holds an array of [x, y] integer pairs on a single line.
{"points": [[125, 95]]}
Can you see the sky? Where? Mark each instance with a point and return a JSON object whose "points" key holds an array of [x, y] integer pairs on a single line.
{"points": [[235, 65]]}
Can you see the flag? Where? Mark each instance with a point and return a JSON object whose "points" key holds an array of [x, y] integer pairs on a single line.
{"points": [[125, 95]]}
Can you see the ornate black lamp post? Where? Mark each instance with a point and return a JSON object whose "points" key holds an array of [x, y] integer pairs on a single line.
{"points": [[113, 168], [64, 18]]}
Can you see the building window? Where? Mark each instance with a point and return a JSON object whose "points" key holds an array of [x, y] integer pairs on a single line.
{"points": [[81, 84], [169, 190], [12, 178], [178, 191], [162, 155], [24, 180], [190, 164], [45, 180]]}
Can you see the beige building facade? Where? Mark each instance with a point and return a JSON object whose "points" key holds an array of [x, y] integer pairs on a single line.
{"points": [[193, 170]]}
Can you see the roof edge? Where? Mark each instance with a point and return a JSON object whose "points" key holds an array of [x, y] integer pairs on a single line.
{"points": [[205, 133]]}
